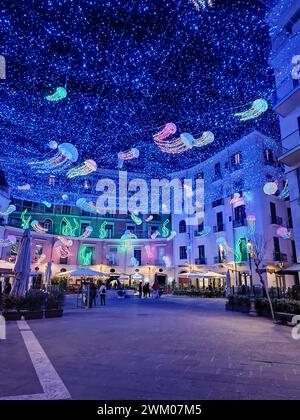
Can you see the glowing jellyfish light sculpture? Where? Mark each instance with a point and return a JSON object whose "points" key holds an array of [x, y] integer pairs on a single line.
{"points": [[137, 220], [172, 235], [168, 130], [9, 241], [258, 107], [149, 218], [251, 219], [88, 231], [155, 234], [84, 205], [270, 188], [128, 155], [59, 94], [86, 168], [53, 145], [185, 142], [284, 233], [285, 191], [62, 247], [10, 209], [63, 157], [24, 187], [37, 227]]}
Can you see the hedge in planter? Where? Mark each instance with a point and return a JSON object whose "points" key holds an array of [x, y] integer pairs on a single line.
{"points": [[12, 306], [54, 304], [33, 303]]}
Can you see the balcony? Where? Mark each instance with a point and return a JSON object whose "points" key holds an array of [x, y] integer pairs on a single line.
{"points": [[276, 221], [290, 153], [278, 256], [219, 228], [239, 223], [201, 261], [219, 202], [219, 260], [286, 102]]}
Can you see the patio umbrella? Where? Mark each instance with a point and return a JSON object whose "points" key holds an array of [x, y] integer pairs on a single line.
{"points": [[48, 274], [82, 272], [22, 267]]}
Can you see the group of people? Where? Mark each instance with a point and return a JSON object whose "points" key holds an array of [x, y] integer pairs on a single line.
{"points": [[144, 290], [94, 292]]}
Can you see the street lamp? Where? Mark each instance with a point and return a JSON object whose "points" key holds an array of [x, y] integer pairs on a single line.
{"points": [[252, 311]]}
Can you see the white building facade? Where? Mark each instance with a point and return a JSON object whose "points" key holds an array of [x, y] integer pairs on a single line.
{"points": [[284, 22]]}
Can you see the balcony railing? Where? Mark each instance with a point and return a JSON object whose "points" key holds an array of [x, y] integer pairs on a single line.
{"points": [[219, 228], [279, 256], [201, 261], [219, 260], [276, 220]]}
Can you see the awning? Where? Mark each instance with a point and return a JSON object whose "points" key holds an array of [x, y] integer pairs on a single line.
{"points": [[293, 269], [207, 274], [82, 272], [6, 267]]}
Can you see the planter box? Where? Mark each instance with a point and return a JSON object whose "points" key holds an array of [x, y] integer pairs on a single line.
{"points": [[54, 313], [237, 308], [33, 315], [12, 315]]}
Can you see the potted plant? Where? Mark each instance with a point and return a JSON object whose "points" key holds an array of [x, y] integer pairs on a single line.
{"points": [[33, 302], [12, 307], [54, 304]]}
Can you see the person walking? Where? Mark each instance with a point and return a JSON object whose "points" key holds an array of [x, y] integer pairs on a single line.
{"points": [[7, 288], [147, 289], [140, 289], [93, 294], [102, 292]]}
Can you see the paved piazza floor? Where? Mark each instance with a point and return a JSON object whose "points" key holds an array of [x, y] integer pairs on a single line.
{"points": [[174, 348]]}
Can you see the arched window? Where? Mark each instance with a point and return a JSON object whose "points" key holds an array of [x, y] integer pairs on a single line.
{"points": [[48, 224], [182, 226]]}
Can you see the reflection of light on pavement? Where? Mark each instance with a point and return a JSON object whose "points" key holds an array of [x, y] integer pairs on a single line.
{"points": [[2, 328]]}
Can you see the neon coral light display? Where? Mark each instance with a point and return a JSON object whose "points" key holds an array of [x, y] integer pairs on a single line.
{"points": [[59, 94]]}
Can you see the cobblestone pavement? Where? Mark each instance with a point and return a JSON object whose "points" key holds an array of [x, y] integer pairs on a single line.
{"points": [[174, 348]]}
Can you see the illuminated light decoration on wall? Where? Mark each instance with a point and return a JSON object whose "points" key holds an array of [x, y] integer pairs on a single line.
{"points": [[167, 261], [148, 251], [270, 188], [86, 168], [128, 155], [65, 155], [85, 255], [9, 241], [86, 206], [185, 142], [251, 219], [235, 199], [53, 145], [284, 233], [10, 209], [205, 231], [68, 229], [285, 191], [127, 235], [41, 259], [134, 262], [52, 180], [199, 4], [88, 231], [155, 234], [62, 247], [259, 106], [24, 187], [165, 230], [137, 220], [248, 196], [237, 252], [168, 130], [59, 94], [25, 221], [37, 227], [149, 218], [296, 68], [223, 245], [102, 230], [47, 204]]}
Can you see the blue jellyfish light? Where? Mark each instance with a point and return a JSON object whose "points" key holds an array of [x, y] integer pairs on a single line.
{"points": [[64, 156]]}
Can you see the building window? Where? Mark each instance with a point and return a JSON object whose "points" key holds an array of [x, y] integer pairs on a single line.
{"points": [[66, 210], [182, 252], [274, 218], [268, 154], [182, 226], [276, 249], [298, 120], [294, 252], [109, 231], [218, 173], [240, 215], [218, 202], [200, 227], [137, 253], [290, 218], [48, 224], [236, 160], [201, 252], [131, 228], [200, 175]]}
